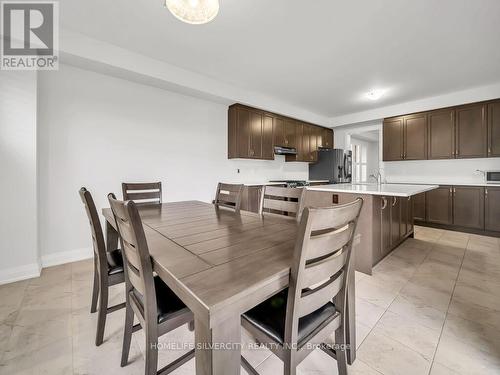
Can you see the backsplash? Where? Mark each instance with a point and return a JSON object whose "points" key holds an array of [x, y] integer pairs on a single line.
{"points": [[264, 170], [458, 171]]}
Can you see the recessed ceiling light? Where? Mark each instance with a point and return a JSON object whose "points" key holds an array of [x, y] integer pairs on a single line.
{"points": [[194, 12], [375, 94]]}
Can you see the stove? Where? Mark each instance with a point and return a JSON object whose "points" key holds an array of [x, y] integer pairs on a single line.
{"points": [[293, 183]]}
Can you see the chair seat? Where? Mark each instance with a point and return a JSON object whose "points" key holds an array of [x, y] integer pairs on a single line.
{"points": [[168, 304], [270, 316], [115, 262]]}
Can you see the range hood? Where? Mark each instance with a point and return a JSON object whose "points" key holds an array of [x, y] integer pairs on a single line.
{"points": [[278, 150]]}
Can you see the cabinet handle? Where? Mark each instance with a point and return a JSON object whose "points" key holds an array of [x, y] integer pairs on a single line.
{"points": [[451, 191], [384, 203], [486, 193], [394, 201]]}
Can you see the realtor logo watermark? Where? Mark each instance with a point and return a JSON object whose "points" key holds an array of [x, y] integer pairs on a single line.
{"points": [[30, 35]]}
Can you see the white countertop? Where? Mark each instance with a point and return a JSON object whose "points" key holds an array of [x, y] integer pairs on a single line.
{"points": [[262, 183], [396, 190], [444, 182]]}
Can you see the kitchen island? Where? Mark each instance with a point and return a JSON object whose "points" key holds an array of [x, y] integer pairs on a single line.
{"points": [[385, 221]]}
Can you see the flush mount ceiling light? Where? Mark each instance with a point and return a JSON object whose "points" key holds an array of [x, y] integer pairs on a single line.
{"points": [[375, 94], [195, 12]]}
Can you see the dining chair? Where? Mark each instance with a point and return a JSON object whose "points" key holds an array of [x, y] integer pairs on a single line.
{"points": [[302, 317], [282, 201], [142, 192], [108, 267], [229, 195], [155, 305]]}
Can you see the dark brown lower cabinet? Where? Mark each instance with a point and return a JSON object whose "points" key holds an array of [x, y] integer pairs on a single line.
{"points": [[395, 203], [406, 224], [492, 209], [385, 221], [468, 207], [439, 205], [419, 207]]}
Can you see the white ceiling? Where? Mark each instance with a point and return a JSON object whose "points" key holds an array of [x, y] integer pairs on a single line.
{"points": [[319, 55]]}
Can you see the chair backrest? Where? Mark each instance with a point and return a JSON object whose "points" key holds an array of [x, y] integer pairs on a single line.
{"points": [[282, 200], [138, 266], [98, 242], [321, 262], [142, 192], [228, 195]]}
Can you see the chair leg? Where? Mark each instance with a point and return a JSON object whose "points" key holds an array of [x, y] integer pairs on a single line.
{"points": [[340, 354], [95, 291], [151, 351], [290, 367], [127, 333], [191, 326], [103, 310]]}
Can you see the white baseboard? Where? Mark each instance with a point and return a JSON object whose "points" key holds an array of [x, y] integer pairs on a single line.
{"points": [[24, 272], [55, 259]]}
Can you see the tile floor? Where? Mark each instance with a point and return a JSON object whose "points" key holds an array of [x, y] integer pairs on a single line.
{"points": [[431, 307]]}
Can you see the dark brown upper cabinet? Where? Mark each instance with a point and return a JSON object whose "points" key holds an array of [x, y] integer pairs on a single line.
{"points": [[442, 134], [492, 209], [468, 207], [327, 138], [405, 138], [415, 137], [250, 134], [279, 132], [439, 204], [253, 133], [393, 139], [494, 129], [290, 133], [471, 131]]}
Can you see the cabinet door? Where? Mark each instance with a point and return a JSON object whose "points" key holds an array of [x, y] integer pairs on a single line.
{"points": [[468, 206], [415, 137], [419, 207], [327, 141], [393, 139], [471, 132], [439, 205], [256, 135], [409, 216], [290, 133], [406, 220], [492, 208], [267, 138], [313, 144], [441, 140], [494, 129], [385, 221], [243, 133], [279, 132], [395, 220]]}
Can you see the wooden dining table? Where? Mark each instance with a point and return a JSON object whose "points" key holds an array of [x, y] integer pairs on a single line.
{"points": [[220, 264]]}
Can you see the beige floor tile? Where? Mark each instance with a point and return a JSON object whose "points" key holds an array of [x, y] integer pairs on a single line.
{"points": [[362, 332], [433, 267], [378, 292], [473, 295], [422, 295], [390, 357], [420, 338], [481, 336], [11, 296], [448, 249], [368, 313], [412, 255], [464, 358], [418, 312], [440, 282], [439, 369], [474, 312], [52, 359]]}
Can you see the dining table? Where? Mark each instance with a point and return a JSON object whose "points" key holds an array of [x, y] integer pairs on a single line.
{"points": [[221, 263]]}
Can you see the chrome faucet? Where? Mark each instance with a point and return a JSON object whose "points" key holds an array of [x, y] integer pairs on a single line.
{"points": [[377, 177]]}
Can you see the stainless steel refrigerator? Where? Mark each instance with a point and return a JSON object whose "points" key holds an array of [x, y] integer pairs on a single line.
{"points": [[334, 165]]}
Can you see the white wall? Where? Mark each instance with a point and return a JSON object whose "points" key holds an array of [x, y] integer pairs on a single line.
{"points": [[18, 170], [97, 131]]}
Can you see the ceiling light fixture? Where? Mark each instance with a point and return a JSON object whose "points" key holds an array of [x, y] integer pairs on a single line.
{"points": [[375, 94], [195, 12]]}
